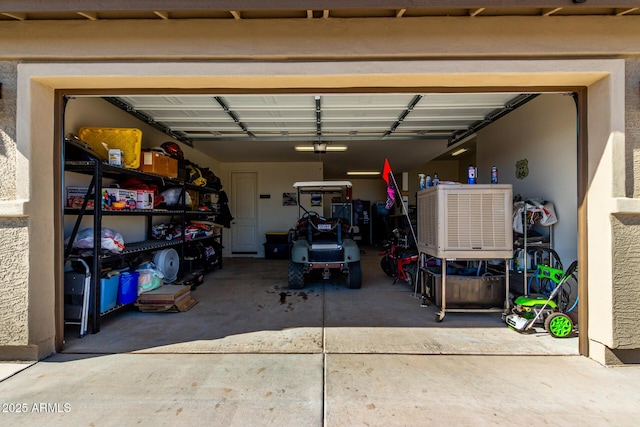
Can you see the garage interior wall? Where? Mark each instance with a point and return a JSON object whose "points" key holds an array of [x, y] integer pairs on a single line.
{"points": [[273, 179], [543, 132]]}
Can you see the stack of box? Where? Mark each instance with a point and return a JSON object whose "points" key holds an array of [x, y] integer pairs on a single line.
{"points": [[167, 298], [124, 199], [75, 197], [118, 198]]}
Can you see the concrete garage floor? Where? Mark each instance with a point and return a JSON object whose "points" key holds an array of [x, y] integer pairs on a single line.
{"points": [[251, 352], [246, 307]]}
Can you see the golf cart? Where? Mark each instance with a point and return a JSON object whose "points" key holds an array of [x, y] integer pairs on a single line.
{"points": [[319, 243]]}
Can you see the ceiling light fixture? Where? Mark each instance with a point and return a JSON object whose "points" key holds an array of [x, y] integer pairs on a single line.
{"points": [[458, 152], [363, 173], [319, 147], [326, 148]]}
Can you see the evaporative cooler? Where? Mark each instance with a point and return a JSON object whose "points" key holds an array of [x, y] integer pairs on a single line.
{"points": [[466, 221]]}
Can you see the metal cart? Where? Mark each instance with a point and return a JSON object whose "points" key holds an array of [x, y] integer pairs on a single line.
{"points": [[443, 290]]}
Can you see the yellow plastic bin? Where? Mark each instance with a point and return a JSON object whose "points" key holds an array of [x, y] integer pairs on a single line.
{"points": [[129, 140]]}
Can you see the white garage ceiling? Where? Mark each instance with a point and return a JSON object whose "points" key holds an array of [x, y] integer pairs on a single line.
{"points": [[408, 128]]}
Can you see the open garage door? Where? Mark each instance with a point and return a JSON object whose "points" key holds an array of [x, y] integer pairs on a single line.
{"points": [[429, 132]]}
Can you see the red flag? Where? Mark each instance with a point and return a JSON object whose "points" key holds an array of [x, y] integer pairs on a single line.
{"points": [[391, 193], [386, 171]]}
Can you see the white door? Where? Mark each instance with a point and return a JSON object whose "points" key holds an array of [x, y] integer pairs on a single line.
{"points": [[244, 228]]}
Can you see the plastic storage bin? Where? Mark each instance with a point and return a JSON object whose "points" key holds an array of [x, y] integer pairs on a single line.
{"points": [[128, 287], [129, 140], [108, 292], [276, 250], [277, 237], [471, 291]]}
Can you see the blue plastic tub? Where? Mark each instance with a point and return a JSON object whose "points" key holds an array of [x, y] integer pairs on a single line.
{"points": [[108, 292], [128, 287]]}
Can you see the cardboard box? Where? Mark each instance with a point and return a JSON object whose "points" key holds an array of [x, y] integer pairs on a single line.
{"points": [[167, 298], [144, 199], [471, 291], [75, 197], [159, 164], [117, 198]]}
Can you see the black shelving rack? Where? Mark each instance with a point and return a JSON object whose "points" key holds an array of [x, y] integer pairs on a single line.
{"points": [[98, 170]]}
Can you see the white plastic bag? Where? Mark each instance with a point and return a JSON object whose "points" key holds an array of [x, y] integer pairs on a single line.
{"points": [[111, 240], [150, 277], [172, 196], [545, 209]]}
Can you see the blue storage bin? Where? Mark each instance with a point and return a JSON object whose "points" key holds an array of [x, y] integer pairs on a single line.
{"points": [[128, 287], [108, 292]]}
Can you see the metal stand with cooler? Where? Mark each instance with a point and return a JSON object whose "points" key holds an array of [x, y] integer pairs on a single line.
{"points": [[461, 222]]}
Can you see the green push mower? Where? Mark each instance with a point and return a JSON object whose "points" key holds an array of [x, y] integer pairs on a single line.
{"points": [[530, 310]]}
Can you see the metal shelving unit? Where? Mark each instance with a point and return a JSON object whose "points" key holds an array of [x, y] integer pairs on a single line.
{"points": [[97, 257], [526, 245]]}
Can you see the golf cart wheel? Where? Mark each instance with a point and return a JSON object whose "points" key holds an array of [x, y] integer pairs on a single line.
{"points": [[559, 325], [296, 275], [354, 277]]}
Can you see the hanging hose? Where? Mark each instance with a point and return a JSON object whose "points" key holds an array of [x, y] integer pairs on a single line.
{"points": [[531, 278]]}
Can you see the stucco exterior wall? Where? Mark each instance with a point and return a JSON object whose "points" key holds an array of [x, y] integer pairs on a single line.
{"points": [[626, 270], [14, 248], [625, 231], [14, 231], [632, 126], [323, 39], [8, 78], [391, 53]]}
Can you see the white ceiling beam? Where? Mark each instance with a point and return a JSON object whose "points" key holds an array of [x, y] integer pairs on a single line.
{"points": [[477, 12], [17, 16], [624, 12], [550, 12], [235, 14], [92, 16], [325, 13], [400, 13], [309, 14], [161, 14]]}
